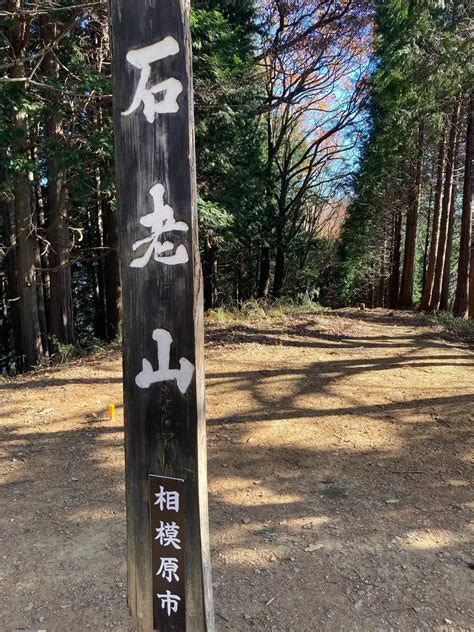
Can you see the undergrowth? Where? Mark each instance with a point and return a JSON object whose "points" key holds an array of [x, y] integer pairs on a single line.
{"points": [[447, 321], [263, 309], [65, 353]]}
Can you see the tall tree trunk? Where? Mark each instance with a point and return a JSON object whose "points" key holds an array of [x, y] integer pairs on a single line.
{"points": [[61, 321], [25, 216], [396, 258], [209, 266], [446, 282], [7, 211], [471, 278], [461, 301], [430, 272], [113, 285], [279, 274], [100, 324], [41, 300], [4, 320], [41, 254], [27, 252], [445, 211], [264, 276], [249, 285], [372, 295], [381, 287], [265, 256], [239, 294], [427, 238], [97, 231], [409, 260]]}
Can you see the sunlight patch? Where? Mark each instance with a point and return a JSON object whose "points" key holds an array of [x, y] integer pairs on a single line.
{"points": [[428, 540]]}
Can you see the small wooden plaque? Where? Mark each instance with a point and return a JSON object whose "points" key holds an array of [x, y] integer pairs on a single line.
{"points": [[168, 545]]}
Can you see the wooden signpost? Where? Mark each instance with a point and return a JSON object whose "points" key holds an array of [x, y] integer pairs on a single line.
{"points": [[169, 579]]}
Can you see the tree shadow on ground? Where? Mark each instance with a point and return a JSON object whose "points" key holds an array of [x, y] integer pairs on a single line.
{"points": [[389, 527], [352, 515], [321, 333], [380, 488], [392, 557]]}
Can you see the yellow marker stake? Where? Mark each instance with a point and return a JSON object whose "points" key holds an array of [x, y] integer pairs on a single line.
{"points": [[111, 411]]}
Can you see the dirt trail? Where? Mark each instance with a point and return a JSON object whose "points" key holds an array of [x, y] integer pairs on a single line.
{"points": [[340, 475]]}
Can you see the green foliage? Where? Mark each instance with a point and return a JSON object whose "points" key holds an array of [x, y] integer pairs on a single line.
{"points": [[448, 322], [228, 135], [421, 62], [81, 150], [312, 265], [214, 220], [66, 353], [264, 309], [248, 205]]}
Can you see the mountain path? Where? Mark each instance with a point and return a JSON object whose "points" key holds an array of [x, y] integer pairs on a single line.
{"points": [[340, 477]]}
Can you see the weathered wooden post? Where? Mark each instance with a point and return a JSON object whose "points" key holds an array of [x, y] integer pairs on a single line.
{"points": [[169, 580]]}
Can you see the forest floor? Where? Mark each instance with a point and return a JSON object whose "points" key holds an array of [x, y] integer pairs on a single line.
{"points": [[339, 473]]}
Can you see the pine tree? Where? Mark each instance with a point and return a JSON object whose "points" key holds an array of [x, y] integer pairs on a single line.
{"points": [[461, 302]]}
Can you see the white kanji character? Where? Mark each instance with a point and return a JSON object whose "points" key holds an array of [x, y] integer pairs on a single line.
{"points": [[169, 602], [169, 569], [148, 376], [142, 58], [167, 500], [160, 221], [167, 534]]}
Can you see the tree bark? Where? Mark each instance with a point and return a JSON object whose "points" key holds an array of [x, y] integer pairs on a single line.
{"points": [[25, 227], [61, 321], [396, 259], [238, 283], [25, 216], [471, 279], [381, 286], [408, 276], [264, 276], [427, 237], [461, 301], [113, 285], [209, 268], [7, 211], [445, 211], [98, 268], [445, 287], [428, 288], [43, 320], [100, 322], [42, 259], [4, 324], [279, 274]]}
